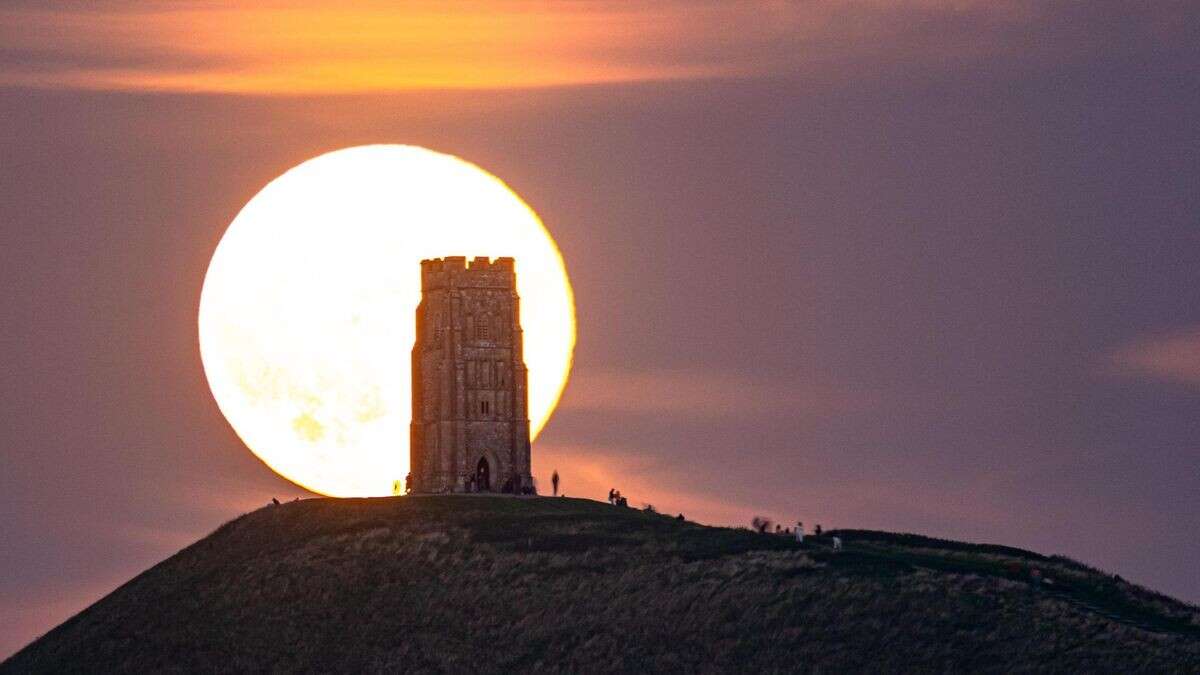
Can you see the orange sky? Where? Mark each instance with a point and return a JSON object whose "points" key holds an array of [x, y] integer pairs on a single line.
{"points": [[316, 46], [322, 47]]}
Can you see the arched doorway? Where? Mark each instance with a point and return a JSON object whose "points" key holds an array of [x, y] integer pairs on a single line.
{"points": [[483, 476]]}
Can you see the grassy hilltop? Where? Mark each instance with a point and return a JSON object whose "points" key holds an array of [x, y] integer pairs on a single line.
{"points": [[498, 584]]}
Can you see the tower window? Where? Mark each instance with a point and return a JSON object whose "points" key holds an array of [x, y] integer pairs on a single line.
{"points": [[483, 330], [484, 408]]}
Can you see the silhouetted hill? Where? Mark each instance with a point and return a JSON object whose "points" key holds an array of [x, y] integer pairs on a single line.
{"points": [[499, 584]]}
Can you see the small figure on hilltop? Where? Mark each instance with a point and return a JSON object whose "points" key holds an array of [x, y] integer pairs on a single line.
{"points": [[680, 518], [799, 532], [612, 495], [817, 530], [760, 524], [554, 481], [274, 501]]}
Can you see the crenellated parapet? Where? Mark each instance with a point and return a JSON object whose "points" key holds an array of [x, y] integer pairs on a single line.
{"points": [[457, 272]]}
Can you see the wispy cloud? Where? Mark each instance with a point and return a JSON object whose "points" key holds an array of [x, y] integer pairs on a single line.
{"points": [[326, 47], [1173, 356], [319, 46], [710, 394], [590, 471], [655, 477]]}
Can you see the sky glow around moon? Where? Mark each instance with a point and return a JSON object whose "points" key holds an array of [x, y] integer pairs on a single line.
{"points": [[307, 311]]}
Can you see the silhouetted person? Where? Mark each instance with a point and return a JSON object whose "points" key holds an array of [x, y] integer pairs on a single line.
{"points": [[554, 481], [800, 532], [274, 501], [817, 530], [778, 529], [612, 495], [680, 518]]}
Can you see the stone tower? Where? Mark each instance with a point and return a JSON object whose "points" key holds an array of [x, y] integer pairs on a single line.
{"points": [[470, 421]]}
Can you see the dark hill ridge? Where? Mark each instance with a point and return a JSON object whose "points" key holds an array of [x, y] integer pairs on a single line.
{"points": [[498, 584]]}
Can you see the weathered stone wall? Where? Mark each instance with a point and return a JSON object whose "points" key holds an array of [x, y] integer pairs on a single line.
{"points": [[470, 394]]}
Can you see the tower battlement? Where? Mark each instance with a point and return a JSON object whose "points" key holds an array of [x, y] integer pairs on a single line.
{"points": [[457, 272], [470, 420]]}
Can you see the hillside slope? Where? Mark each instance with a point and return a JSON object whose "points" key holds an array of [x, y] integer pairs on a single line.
{"points": [[495, 584]]}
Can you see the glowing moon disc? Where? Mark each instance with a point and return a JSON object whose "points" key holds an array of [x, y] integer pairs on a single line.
{"points": [[307, 311]]}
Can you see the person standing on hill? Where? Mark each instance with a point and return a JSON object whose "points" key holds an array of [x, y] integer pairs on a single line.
{"points": [[554, 481], [799, 532]]}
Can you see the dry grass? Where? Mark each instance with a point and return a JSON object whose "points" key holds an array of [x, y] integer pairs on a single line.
{"points": [[502, 584]]}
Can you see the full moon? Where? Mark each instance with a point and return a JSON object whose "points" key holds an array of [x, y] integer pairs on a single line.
{"points": [[308, 307]]}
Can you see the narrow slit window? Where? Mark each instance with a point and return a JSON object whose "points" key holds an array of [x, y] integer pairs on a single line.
{"points": [[484, 408]]}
